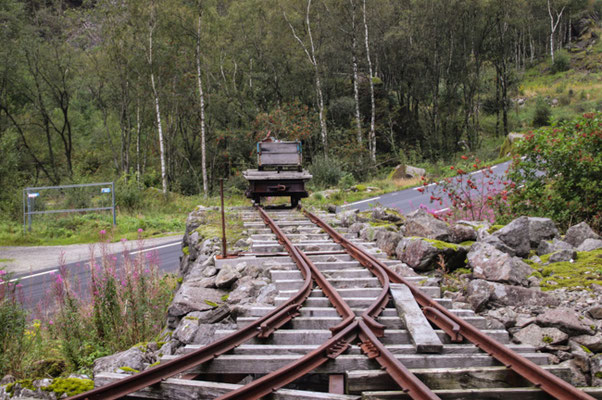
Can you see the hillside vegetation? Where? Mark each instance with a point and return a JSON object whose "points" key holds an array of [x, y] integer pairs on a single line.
{"points": [[171, 95]]}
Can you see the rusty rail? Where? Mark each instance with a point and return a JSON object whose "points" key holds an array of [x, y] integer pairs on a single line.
{"points": [[262, 327], [344, 333], [440, 316]]}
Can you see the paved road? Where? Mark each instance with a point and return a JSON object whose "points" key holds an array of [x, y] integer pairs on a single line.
{"points": [[36, 285], [409, 200]]}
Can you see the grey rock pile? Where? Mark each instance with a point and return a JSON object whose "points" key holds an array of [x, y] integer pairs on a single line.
{"points": [[500, 283]]}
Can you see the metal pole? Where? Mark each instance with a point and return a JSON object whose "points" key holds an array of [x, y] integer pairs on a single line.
{"points": [[113, 195], [221, 192], [24, 212], [28, 211]]}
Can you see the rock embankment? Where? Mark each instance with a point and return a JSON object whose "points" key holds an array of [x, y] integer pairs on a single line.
{"points": [[544, 288]]}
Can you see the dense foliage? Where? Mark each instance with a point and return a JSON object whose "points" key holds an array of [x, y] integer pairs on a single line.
{"points": [[85, 86], [561, 172]]}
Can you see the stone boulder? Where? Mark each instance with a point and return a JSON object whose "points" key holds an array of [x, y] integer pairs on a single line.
{"points": [[590, 245], [402, 270], [577, 234], [547, 247], [567, 320], [592, 342], [463, 233], [540, 337], [498, 244], [226, 276], [595, 312], [596, 369], [387, 214], [421, 223], [356, 228], [348, 218], [407, 171], [134, 358], [541, 229], [246, 290], [481, 293], [387, 241], [424, 255], [516, 236], [562, 255], [191, 297], [490, 264]]}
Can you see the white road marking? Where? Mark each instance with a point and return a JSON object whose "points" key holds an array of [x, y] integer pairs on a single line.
{"points": [[441, 211], [155, 248], [31, 276], [56, 270], [359, 202]]}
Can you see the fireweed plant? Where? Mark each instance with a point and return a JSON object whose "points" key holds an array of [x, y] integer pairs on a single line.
{"points": [[473, 193], [124, 304]]}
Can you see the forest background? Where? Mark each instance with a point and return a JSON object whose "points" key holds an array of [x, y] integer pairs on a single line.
{"points": [[172, 94]]}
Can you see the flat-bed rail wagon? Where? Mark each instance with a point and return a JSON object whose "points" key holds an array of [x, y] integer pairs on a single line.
{"points": [[279, 172]]}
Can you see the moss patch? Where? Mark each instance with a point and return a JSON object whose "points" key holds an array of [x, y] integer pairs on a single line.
{"points": [[212, 226], [580, 274], [495, 228], [129, 369], [439, 244], [69, 386]]}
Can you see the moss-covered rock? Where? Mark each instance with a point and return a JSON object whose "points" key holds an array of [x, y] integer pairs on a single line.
{"points": [[69, 386]]}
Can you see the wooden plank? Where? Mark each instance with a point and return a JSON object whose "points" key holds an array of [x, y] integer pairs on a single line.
{"points": [[278, 147], [421, 332], [267, 159]]}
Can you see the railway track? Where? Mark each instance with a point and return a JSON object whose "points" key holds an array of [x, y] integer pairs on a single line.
{"points": [[346, 326]]}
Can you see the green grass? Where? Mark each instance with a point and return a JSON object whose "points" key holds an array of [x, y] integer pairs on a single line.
{"points": [[156, 216]]}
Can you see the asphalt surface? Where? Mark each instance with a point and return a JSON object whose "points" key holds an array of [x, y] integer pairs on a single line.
{"points": [[36, 286], [409, 200]]}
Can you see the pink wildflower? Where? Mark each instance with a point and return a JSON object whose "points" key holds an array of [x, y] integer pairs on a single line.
{"points": [[140, 230], [103, 232]]}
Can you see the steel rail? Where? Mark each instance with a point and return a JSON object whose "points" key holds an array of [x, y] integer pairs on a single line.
{"points": [[348, 330], [262, 327], [374, 349], [539, 377], [343, 333]]}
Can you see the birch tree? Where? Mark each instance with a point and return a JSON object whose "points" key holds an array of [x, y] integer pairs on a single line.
{"points": [[553, 25], [201, 103], [372, 135], [310, 51], [358, 120], [152, 26]]}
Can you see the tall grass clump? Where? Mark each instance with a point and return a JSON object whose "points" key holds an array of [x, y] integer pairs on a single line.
{"points": [[13, 324], [124, 305]]}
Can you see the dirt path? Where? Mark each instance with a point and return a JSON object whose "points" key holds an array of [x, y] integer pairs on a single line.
{"points": [[23, 260]]}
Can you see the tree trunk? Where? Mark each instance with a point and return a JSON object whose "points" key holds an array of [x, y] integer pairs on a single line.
{"points": [[553, 26], [356, 95], [202, 106], [311, 54], [156, 98], [372, 135]]}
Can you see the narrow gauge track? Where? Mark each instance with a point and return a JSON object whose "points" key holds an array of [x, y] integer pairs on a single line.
{"points": [[345, 308]]}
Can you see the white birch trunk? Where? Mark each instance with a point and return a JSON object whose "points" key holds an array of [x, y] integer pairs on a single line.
{"points": [[157, 108], [202, 105], [314, 62], [553, 26], [372, 135], [137, 140], [356, 94]]}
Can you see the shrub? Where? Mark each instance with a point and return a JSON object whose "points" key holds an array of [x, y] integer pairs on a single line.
{"points": [[542, 113], [326, 172], [127, 194], [560, 172], [562, 62]]}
